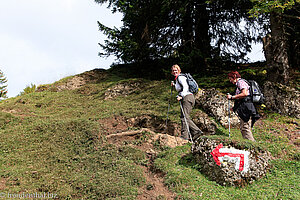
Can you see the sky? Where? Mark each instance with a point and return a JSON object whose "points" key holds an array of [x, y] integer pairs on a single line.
{"points": [[42, 41]]}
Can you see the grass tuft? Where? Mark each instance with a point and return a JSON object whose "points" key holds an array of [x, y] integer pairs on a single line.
{"points": [[54, 142]]}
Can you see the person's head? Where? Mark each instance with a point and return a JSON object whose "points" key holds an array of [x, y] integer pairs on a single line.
{"points": [[233, 76], [176, 70]]}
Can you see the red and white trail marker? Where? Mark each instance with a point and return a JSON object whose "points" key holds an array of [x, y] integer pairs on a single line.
{"points": [[225, 155]]}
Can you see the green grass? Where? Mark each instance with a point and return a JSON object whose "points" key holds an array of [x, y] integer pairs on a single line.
{"points": [[53, 142], [68, 158], [184, 178]]}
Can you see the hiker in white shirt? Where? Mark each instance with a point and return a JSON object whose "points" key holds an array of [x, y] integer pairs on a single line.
{"points": [[188, 101]]}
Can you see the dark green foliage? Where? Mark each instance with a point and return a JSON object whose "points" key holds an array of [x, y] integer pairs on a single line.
{"points": [[188, 32], [293, 31], [3, 86], [29, 89], [282, 45]]}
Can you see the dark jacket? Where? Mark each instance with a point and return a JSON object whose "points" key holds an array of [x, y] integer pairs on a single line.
{"points": [[246, 109]]}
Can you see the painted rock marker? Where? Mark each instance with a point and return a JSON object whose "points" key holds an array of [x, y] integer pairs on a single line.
{"points": [[224, 155]]}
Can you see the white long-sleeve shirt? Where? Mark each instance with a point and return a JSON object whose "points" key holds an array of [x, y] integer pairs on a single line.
{"points": [[181, 86]]}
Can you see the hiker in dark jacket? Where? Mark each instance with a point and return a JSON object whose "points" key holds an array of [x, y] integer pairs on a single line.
{"points": [[243, 105], [187, 101]]}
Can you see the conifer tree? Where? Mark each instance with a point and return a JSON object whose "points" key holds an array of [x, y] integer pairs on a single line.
{"points": [[3, 86], [189, 32], [281, 45]]}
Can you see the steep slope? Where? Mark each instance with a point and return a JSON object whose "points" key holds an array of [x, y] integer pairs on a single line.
{"points": [[54, 141]]}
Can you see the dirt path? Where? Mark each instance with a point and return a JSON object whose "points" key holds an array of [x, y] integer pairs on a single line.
{"points": [[154, 188]]}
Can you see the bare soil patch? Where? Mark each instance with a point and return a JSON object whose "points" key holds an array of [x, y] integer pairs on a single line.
{"points": [[119, 124], [115, 124], [77, 81], [3, 183], [121, 131], [154, 187]]}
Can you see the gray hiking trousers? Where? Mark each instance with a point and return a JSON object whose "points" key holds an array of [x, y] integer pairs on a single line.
{"points": [[245, 128], [188, 103]]}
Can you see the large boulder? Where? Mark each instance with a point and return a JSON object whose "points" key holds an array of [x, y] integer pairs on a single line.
{"points": [[282, 99], [205, 123], [230, 163], [215, 104], [167, 140]]}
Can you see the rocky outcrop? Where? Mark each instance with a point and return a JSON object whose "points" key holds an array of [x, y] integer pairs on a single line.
{"points": [[282, 99], [215, 104], [229, 163], [156, 124], [206, 125], [123, 89], [167, 140]]}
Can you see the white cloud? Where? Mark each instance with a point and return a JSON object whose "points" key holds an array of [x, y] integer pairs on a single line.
{"points": [[23, 63], [43, 41]]}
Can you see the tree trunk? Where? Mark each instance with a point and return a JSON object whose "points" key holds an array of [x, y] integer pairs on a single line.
{"points": [[276, 51], [202, 38], [187, 29], [292, 21]]}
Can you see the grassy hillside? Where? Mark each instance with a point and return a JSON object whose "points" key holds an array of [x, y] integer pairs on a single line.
{"points": [[54, 141]]}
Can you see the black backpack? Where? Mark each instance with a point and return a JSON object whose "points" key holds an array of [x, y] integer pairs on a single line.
{"points": [[256, 94], [193, 85]]}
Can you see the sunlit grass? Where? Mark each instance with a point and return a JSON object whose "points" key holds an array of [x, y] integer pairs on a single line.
{"points": [[52, 142]]}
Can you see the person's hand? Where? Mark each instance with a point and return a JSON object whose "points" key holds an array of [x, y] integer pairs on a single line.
{"points": [[179, 98], [172, 83], [229, 96]]}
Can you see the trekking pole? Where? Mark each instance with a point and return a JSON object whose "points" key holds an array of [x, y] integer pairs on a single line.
{"points": [[187, 125], [228, 115], [169, 105]]}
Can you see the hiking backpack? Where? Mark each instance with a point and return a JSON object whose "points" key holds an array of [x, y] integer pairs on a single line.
{"points": [[193, 85], [256, 94]]}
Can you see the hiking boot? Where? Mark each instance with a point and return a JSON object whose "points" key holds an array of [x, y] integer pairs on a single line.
{"points": [[197, 135]]}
